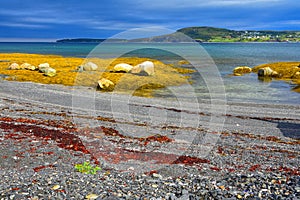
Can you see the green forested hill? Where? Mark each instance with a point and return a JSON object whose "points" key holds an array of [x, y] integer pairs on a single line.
{"points": [[211, 34]]}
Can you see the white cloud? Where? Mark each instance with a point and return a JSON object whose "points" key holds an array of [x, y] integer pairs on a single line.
{"points": [[27, 40], [203, 3], [22, 25]]}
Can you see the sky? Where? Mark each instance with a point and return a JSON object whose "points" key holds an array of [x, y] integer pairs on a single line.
{"points": [[48, 20]]}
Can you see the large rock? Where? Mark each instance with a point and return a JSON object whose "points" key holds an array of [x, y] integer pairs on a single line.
{"points": [[43, 67], [106, 84], [242, 70], [267, 71], [31, 67], [90, 66], [14, 66], [123, 67], [50, 72], [146, 67], [25, 66]]}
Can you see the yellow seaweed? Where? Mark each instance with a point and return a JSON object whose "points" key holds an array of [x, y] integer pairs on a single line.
{"points": [[165, 75]]}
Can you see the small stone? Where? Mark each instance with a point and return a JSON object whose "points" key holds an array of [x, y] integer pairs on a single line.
{"points": [[239, 196], [222, 187], [154, 185], [155, 175], [91, 196], [55, 187]]}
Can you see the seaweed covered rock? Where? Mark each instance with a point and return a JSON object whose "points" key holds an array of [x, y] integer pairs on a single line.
{"points": [[238, 71], [146, 67], [123, 67]]}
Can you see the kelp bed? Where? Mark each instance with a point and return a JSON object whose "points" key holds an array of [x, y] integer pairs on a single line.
{"points": [[67, 74]]}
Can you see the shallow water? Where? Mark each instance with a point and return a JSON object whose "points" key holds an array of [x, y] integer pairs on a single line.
{"points": [[226, 56]]}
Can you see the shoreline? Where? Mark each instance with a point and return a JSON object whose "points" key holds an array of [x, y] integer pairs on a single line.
{"points": [[256, 145]]}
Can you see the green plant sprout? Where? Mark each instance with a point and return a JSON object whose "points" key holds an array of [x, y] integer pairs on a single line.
{"points": [[87, 168]]}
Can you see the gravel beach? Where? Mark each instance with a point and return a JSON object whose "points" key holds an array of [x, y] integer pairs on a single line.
{"points": [[147, 148]]}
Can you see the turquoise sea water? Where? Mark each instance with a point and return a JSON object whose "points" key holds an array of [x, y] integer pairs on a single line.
{"points": [[226, 56]]}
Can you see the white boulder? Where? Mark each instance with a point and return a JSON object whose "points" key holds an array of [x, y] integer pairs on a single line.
{"points": [[43, 67], [14, 66], [50, 72], [147, 67], [25, 66], [123, 67], [90, 66]]}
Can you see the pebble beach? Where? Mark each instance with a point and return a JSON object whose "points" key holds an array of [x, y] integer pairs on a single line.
{"points": [[43, 136]]}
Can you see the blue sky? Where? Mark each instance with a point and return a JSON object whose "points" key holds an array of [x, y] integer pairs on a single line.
{"points": [[34, 20]]}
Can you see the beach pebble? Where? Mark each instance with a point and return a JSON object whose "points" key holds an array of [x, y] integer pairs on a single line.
{"points": [[123, 67], [14, 66], [91, 196], [55, 187]]}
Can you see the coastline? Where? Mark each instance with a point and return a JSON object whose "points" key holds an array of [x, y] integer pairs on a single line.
{"points": [[256, 145]]}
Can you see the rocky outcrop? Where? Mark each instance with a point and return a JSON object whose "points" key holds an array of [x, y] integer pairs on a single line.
{"points": [[106, 84], [146, 67], [238, 71], [123, 67]]}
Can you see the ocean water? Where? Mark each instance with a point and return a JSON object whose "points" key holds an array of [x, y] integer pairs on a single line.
{"points": [[224, 56]]}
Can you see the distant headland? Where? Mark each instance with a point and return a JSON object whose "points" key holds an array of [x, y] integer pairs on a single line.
{"points": [[208, 34]]}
